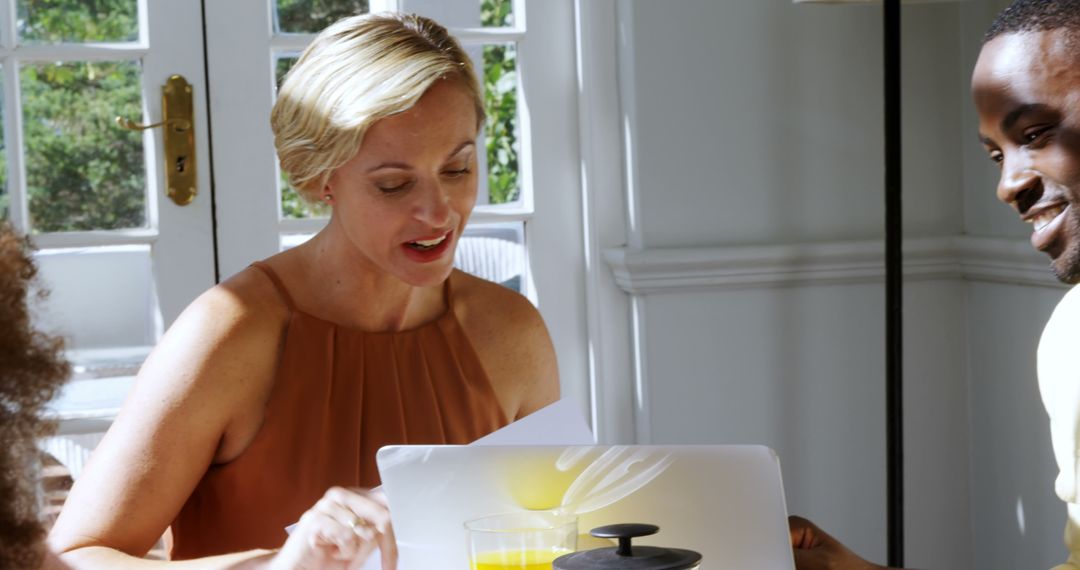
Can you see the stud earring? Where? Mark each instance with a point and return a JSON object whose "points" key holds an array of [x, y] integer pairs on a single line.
{"points": [[327, 197]]}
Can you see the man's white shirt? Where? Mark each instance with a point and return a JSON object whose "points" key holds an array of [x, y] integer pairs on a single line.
{"points": [[1059, 385]]}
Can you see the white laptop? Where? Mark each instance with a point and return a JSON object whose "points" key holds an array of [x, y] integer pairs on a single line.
{"points": [[723, 501]]}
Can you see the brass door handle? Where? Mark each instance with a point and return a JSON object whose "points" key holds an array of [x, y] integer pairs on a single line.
{"points": [[177, 112], [179, 125]]}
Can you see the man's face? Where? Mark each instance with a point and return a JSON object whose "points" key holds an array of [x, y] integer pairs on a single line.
{"points": [[1027, 93]]}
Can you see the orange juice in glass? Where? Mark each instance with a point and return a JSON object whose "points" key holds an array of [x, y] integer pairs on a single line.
{"points": [[520, 541]]}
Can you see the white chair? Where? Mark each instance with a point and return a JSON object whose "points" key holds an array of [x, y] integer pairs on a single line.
{"points": [[494, 259]]}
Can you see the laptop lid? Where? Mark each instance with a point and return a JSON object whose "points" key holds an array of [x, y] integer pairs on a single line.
{"points": [[723, 501]]}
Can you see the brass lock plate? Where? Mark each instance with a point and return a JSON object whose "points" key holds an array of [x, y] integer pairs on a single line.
{"points": [[178, 114]]}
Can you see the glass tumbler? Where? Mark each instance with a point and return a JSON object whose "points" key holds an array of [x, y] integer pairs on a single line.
{"points": [[520, 541]]}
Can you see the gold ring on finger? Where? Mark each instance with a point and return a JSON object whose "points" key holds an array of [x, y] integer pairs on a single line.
{"points": [[358, 523]]}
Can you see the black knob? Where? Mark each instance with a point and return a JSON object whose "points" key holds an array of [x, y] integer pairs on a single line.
{"points": [[624, 532]]}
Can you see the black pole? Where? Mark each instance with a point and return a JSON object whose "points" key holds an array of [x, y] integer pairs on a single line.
{"points": [[894, 349]]}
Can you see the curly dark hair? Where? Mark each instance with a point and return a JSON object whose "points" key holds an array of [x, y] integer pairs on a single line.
{"points": [[1036, 16], [32, 369]]}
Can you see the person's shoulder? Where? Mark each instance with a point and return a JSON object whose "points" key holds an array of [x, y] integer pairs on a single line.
{"points": [[471, 290], [1069, 305], [1061, 336], [1066, 315], [215, 365], [247, 299], [232, 327], [482, 304], [511, 340]]}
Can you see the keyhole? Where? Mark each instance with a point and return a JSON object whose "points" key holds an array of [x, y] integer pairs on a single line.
{"points": [[181, 164]]}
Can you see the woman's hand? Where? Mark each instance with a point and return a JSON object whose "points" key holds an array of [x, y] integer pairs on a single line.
{"points": [[815, 549], [340, 532]]}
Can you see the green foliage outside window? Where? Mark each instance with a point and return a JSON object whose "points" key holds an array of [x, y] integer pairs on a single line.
{"points": [[310, 16], [500, 128], [55, 21], [292, 205], [500, 102], [82, 171]]}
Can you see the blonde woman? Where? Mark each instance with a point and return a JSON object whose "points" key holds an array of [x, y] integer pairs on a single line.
{"points": [[266, 401]]}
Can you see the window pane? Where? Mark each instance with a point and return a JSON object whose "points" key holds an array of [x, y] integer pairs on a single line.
{"points": [[495, 252], [310, 16], [282, 65], [497, 13], [501, 126], [82, 171], [292, 205], [289, 241], [58, 21], [455, 14]]}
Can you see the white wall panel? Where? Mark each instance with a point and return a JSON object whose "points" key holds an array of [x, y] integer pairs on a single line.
{"points": [[761, 122], [1018, 521], [936, 426], [784, 367], [931, 110], [800, 369], [91, 308]]}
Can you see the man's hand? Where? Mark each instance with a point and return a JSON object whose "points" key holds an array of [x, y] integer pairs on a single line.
{"points": [[816, 550]]}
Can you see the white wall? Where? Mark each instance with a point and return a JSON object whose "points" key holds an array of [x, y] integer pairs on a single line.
{"points": [[754, 128], [89, 306], [1017, 520]]}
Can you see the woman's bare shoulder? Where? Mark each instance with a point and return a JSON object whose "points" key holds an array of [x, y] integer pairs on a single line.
{"points": [[243, 309], [494, 313], [222, 352], [250, 290], [512, 341]]}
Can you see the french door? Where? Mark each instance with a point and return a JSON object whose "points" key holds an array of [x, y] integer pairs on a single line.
{"points": [[120, 258]]}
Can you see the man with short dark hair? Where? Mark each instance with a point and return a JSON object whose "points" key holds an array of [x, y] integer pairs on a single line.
{"points": [[1026, 87]]}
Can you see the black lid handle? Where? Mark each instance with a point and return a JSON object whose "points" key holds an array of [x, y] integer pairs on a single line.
{"points": [[624, 532]]}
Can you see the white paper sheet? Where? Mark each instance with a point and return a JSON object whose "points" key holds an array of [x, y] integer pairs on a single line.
{"points": [[559, 423]]}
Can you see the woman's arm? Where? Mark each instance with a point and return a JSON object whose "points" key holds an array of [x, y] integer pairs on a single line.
{"points": [[197, 401], [104, 557]]}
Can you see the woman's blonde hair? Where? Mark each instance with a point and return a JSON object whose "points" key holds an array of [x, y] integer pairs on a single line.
{"points": [[357, 71]]}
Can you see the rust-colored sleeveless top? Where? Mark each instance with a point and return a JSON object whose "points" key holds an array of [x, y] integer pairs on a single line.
{"points": [[339, 395]]}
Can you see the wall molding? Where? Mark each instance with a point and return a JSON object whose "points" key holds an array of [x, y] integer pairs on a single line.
{"points": [[978, 259]]}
